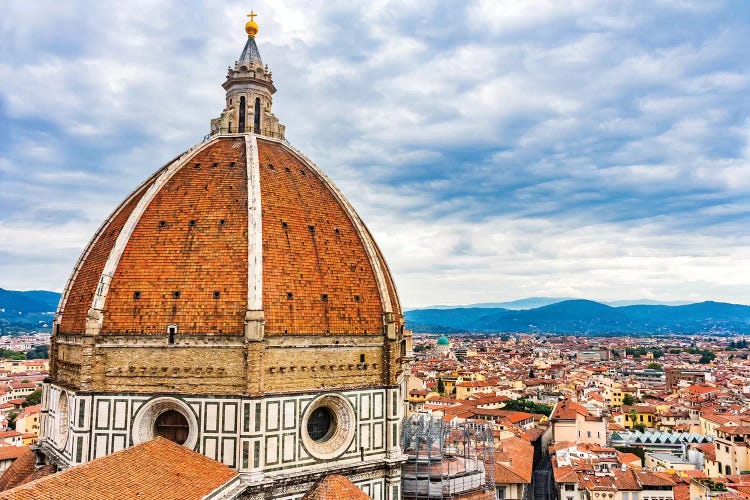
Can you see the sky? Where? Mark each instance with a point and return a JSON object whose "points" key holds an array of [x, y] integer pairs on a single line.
{"points": [[496, 149]]}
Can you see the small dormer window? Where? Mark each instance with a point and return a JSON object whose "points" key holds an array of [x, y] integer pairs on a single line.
{"points": [[171, 332]]}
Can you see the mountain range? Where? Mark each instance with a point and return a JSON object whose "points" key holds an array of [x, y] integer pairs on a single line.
{"points": [[587, 317], [27, 311], [533, 302]]}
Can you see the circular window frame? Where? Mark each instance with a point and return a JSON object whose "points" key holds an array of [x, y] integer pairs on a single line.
{"points": [[63, 416], [344, 426], [144, 424]]}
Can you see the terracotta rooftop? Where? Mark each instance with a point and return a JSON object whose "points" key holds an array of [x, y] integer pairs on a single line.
{"points": [[568, 410], [514, 461], [734, 429], [335, 487], [12, 452], [172, 472], [186, 260], [648, 478], [19, 471]]}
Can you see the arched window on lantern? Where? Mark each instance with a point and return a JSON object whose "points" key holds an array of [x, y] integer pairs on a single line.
{"points": [[241, 126], [256, 125]]}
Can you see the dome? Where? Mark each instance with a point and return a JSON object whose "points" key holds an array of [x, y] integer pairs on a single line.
{"points": [[443, 340], [236, 268], [234, 303], [236, 224]]}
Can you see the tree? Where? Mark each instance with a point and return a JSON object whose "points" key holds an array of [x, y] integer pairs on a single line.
{"points": [[38, 352], [628, 400], [639, 427], [441, 387], [706, 357], [655, 366], [9, 354], [33, 399], [528, 406], [12, 419]]}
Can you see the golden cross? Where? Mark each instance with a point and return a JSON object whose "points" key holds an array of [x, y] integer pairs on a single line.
{"points": [[252, 15]]}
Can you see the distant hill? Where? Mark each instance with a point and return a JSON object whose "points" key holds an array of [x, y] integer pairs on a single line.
{"points": [[529, 303], [30, 301], [454, 320], [589, 317], [534, 302], [27, 311]]}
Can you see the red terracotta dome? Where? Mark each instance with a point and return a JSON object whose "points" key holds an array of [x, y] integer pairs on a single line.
{"points": [[240, 223]]}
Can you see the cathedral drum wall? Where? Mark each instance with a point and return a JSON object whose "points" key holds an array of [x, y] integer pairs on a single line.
{"points": [[265, 437], [302, 369], [174, 369]]}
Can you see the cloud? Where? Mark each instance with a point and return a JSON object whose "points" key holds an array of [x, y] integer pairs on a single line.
{"points": [[495, 149]]}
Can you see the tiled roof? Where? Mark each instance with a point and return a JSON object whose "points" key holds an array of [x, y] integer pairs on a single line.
{"points": [[87, 278], [158, 470], [21, 468], [626, 480], [14, 452], [320, 272], [648, 478], [565, 474], [335, 487], [568, 410], [734, 429], [311, 247], [29, 410], [514, 461]]}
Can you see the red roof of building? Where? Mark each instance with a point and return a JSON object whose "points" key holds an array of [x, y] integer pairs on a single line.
{"points": [[172, 472], [514, 461], [335, 487], [12, 452]]}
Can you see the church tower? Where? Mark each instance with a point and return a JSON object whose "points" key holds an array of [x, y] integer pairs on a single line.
{"points": [[236, 304]]}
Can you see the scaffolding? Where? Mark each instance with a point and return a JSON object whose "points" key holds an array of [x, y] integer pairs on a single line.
{"points": [[447, 460]]}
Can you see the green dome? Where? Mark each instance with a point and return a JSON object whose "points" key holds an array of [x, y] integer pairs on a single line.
{"points": [[443, 340]]}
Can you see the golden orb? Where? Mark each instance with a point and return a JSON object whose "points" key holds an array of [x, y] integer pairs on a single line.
{"points": [[251, 27]]}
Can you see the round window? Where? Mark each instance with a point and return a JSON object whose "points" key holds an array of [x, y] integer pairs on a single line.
{"points": [[321, 424], [328, 426], [172, 425], [165, 417]]}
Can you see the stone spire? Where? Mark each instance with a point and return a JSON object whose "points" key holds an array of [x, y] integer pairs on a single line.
{"points": [[250, 88]]}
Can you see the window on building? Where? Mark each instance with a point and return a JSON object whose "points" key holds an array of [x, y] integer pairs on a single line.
{"points": [[501, 493], [172, 425], [256, 124], [320, 424], [241, 125]]}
